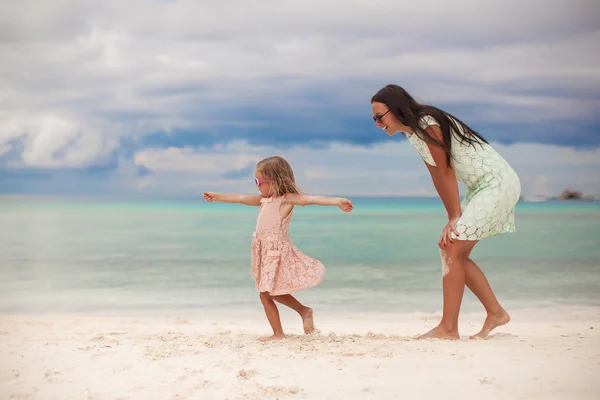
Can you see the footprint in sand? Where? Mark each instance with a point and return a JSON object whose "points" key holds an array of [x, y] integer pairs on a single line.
{"points": [[243, 374], [487, 381], [276, 391], [52, 376]]}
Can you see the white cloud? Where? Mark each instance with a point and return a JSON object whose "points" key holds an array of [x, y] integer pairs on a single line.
{"points": [[391, 168], [175, 159], [5, 148], [191, 160], [54, 141], [528, 155], [79, 75]]}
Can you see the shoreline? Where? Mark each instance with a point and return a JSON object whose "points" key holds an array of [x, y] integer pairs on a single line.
{"points": [[546, 310]]}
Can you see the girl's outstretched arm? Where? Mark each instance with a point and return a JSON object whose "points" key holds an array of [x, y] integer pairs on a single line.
{"points": [[233, 198], [302, 200]]}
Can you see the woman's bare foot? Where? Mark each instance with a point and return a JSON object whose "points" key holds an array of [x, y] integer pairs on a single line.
{"points": [[272, 338], [492, 322], [439, 332], [307, 320]]}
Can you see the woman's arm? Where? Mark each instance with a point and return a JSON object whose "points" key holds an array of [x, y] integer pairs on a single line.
{"points": [[443, 186], [233, 198], [444, 178]]}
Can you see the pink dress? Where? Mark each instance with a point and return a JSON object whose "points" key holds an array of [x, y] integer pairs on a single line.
{"points": [[278, 267]]}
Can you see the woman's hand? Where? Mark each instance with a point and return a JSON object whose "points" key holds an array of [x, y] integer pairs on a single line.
{"points": [[449, 229]]}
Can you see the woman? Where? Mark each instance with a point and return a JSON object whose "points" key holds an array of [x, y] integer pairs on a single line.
{"points": [[454, 152]]}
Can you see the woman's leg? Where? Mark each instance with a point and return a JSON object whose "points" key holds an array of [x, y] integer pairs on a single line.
{"points": [[453, 283], [305, 312], [479, 285]]}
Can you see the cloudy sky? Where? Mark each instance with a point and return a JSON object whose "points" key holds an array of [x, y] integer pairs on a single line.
{"points": [[176, 97]]}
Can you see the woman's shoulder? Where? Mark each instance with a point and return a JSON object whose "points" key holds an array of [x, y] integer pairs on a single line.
{"points": [[426, 120]]}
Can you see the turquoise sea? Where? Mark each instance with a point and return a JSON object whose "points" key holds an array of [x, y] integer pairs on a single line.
{"points": [[102, 255]]}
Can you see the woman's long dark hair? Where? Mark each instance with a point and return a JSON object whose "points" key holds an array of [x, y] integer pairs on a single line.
{"points": [[409, 112]]}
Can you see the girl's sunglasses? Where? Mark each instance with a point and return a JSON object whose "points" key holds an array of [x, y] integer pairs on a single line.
{"points": [[259, 181], [377, 118]]}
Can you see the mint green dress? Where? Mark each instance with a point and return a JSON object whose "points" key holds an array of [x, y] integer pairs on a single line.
{"points": [[493, 187]]}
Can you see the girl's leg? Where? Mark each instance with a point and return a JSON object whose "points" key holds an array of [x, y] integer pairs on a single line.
{"points": [[273, 317], [305, 312], [479, 285], [453, 283]]}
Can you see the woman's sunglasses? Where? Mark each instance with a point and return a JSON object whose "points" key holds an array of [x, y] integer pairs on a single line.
{"points": [[377, 118], [259, 181]]}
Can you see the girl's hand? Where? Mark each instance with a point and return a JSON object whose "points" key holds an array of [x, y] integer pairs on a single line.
{"points": [[209, 196], [449, 229], [345, 205]]}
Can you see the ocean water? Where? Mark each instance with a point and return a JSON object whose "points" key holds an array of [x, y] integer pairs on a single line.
{"points": [[93, 255]]}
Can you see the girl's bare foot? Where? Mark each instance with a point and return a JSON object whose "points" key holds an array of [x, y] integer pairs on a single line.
{"points": [[307, 320], [492, 322], [439, 332], [272, 338]]}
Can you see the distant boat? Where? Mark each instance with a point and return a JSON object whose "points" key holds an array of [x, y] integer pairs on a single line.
{"points": [[577, 195]]}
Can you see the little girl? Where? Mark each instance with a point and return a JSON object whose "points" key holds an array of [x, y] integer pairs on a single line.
{"points": [[278, 267]]}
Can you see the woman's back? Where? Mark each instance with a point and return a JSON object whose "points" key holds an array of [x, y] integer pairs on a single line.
{"points": [[474, 164]]}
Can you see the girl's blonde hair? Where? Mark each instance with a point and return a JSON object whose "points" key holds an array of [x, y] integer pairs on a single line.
{"points": [[280, 174]]}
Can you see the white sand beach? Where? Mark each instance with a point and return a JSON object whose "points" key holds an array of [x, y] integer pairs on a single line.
{"points": [[540, 355]]}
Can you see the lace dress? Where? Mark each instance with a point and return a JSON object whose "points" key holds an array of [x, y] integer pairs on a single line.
{"points": [[493, 187], [278, 267]]}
